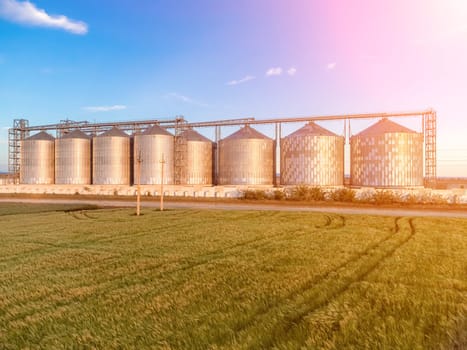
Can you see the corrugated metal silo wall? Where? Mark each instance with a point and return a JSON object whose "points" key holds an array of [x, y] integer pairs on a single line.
{"points": [[199, 163], [132, 159], [312, 160], [37, 162], [387, 160], [246, 162], [73, 161], [111, 160], [151, 148]]}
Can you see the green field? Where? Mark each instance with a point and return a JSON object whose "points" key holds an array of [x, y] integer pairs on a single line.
{"points": [[187, 279]]}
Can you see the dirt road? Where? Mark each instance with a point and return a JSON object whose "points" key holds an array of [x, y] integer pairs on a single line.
{"points": [[252, 206]]}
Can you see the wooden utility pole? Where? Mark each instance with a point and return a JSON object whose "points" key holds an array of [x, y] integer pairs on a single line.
{"points": [[162, 161], [139, 160]]}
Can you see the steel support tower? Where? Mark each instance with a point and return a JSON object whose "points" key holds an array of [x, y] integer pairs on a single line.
{"points": [[15, 135], [180, 152], [429, 128]]}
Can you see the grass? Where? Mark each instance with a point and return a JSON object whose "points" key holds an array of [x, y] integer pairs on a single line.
{"points": [[186, 279], [28, 208]]}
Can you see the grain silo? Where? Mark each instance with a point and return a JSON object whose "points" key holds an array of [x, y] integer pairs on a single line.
{"points": [[149, 148], [246, 158], [73, 159], [197, 153], [314, 156], [37, 159], [386, 155], [111, 158]]}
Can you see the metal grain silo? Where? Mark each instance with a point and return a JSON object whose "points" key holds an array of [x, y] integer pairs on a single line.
{"points": [[246, 158], [196, 152], [386, 155], [149, 148], [111, 158], [73, 159], [314, 156], [37, 159]]}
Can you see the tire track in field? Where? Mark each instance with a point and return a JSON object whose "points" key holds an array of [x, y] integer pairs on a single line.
{"points": [[73, 214], [48, 247], [179, 225], [333, 222], [281, 332], [327, 222], [225, 252], [189, 264], [166, 226], [217, 253], [340, 224], [113, 239], [396, 224], [211, 256], [318, 279], [86, 214], [84, 245], [83, 213], [315, 285]]}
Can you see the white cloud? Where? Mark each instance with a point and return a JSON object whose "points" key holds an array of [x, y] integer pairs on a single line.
{"points": [[274, 71], [185, 99], [241, 81], [25, 12], [104, 108], [292, 71], [331, 65]]}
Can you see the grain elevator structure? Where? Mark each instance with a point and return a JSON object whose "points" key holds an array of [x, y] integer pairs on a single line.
{"points": [[111, 158], [176, 152], [37, 159], [387, 155], [246, 158], [312, 156]]}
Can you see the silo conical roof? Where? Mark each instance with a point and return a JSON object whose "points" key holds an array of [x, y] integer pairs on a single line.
{"points": [[384, 126], [156, 130], [41, 136], [192, 135], [114, 132], [312, 129], [247, 132], [76, 134]]}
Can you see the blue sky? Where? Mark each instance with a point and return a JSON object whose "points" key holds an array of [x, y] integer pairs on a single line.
{"points": [[214, 59]]}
